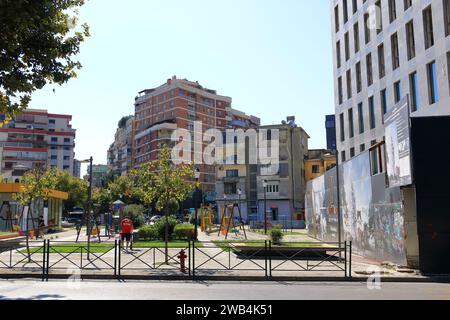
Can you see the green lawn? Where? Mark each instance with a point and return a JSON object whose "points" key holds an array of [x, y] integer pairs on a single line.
{"points": [[2, 233], [105, 247], [227, 245]]}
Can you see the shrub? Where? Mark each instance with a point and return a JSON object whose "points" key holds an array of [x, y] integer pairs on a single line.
{"points": [[276, 235], [160, 227], [184, 232], [136, 214], [148, 233]]}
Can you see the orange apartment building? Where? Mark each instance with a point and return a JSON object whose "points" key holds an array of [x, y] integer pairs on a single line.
{"points": [[178, 103]]}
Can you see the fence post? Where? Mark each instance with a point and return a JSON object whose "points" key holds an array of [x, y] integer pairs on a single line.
{"points": [[120, 255], [350, 266], [189, 257], [44, 256], [193, 259], [115, 257], [48, 257], [270, 258], [345, 258], [265, 257]]}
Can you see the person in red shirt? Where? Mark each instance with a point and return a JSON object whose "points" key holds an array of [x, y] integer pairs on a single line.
{"points": [[126, 226]]}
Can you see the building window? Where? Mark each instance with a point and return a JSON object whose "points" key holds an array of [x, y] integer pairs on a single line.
{"points": [[54, 157], [347, 46], [392, 11], [361, 118], [355, 6], [379, 16], [383, 100], [345, 9], [395, 53], [366, 28], [352, 152], [408, 4], [432, 83], [54, 139], [343, 156], [362, 148], [369, 69], [316, 169], [350, 123], [341, 122], [230, 188], [336, 18], [356, 36], [340, 96], [410, 42], [446, 4], [428, 27], [232, 173], [52, 121], [358, 77], [381, 64], [66, 140], [372, 113], [349, 83], [397, 92], [414, 89], [338, 54]]}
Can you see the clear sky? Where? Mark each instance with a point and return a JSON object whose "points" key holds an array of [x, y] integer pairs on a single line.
{"points": [[273, 57]]}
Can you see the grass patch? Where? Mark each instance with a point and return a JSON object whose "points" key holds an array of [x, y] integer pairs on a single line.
{"points": [[73, 248], [162, 244], [229, 245]]}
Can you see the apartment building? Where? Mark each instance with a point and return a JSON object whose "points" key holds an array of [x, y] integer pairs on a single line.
{"points": [[177, 104], [36, 138], [385, 50], [317, 162], [120, 153]]}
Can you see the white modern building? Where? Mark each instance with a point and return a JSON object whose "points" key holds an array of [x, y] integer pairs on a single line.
{"points": [[385, 50]]}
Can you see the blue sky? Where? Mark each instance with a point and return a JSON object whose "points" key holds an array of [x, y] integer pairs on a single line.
{"points": [[273, 57]]}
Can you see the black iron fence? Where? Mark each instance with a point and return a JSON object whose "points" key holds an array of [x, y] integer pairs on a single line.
{"points": [[187, 259]]}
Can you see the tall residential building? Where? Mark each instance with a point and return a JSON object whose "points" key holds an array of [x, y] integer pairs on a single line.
{"points": [[36, 138], [76, 168], [99, 174], [177, 104], [385, 50], [330, 127], [120, 153], [285, 188]]}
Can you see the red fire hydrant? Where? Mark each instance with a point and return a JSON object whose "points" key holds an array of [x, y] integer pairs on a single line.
{"points": [[182, 256]]}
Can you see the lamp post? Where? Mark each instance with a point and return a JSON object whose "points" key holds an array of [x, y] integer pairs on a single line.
{"points": [[265, 205], [88, 215]]}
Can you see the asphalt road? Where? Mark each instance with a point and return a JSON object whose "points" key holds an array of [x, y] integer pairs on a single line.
{"points": [[158, 290]]}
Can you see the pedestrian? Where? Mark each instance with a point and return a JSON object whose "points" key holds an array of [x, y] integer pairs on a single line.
{"points": [[41, 226], [126, 226]]}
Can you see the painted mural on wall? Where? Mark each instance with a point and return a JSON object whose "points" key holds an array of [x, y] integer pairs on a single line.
{"points": [[372, 216]]}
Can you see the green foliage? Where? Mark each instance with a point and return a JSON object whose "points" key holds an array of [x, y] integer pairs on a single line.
{"points": [[36, 184], [148, 232], [162, 182], [122, 122], [38, 41], [123, 188], [276, 235], [75, 187], [160, 226], [136, 213], [184, 232]]}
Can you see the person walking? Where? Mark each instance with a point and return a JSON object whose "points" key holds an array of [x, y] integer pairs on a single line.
{"points": [[126, 231]]}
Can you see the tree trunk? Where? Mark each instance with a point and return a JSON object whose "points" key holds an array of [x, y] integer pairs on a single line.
{"points": [[166, 236], [27, 235]]}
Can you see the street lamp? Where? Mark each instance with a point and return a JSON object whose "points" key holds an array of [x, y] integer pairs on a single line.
{"points": [[265, 205], [88, 216]]}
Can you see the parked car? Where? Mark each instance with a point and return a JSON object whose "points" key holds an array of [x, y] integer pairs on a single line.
{"points": [[153, 219]]}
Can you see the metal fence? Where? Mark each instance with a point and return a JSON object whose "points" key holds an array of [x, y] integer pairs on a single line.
{"points": [[188, 259]]}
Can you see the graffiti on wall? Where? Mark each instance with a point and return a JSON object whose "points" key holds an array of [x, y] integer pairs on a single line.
{"points": [[372, 216]]}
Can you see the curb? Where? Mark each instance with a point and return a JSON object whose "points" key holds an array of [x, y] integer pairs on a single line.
{"points": [[443, 279]]}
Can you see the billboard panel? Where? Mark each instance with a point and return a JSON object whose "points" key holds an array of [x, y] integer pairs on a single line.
{"points": [[398, 146]]}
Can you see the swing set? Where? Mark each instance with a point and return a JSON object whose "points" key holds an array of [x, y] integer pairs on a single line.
{"points": [[228, 224]]}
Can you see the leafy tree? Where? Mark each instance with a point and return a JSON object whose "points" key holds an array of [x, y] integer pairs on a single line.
{"points": [[163, 183], [123, 188], [38, 40], [75, 187], [36, 184]]}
